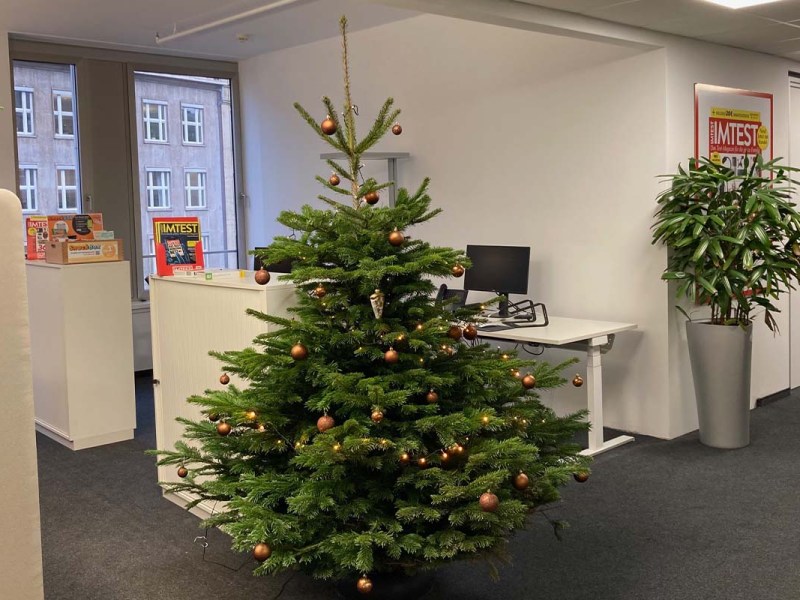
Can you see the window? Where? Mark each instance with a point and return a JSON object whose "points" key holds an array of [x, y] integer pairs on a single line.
{"points": [[206, 243], [195, 188], [28, 188], [63, 114], [23, 106], [158, 189], [192, 120], [67, 189], [154, 114]]}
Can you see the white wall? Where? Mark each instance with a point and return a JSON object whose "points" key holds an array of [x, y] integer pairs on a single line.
{"points": [[530, 139]]}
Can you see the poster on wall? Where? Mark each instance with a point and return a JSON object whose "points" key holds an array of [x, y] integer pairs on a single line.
{"points": [[730, 124]]}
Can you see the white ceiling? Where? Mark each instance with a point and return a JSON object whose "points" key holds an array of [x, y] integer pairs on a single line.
{"points": [[133, 24], [772, 28]]}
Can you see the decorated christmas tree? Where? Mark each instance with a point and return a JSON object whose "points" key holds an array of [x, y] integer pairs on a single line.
{"points": [[375, 433]]}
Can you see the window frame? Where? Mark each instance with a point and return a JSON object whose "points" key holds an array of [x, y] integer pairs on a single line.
{"points": [[23, 110], [199, 125], [35, 187], [148, 189], [187, 189], [59, 114], [146, 120], [61, 190]]}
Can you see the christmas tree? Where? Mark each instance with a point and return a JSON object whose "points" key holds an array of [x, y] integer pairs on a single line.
{"points": [[376, 434]]}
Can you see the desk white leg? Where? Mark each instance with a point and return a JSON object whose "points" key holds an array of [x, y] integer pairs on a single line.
{"points": [[594, 391]]}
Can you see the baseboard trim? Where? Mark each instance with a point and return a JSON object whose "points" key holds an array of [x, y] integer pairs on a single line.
{"points": [[779, 395]]}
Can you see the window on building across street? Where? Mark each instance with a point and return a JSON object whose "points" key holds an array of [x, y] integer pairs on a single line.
{"points": [[195, 188], [192, 120], [28, 188], [23, 107], [158, 189], [67, 189], [154, 115], [63, 114]]}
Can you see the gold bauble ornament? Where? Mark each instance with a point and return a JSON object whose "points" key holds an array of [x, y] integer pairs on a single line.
{"points": [[470, 332], [334, 179], [250, 415], [182, 472], [324, 423], [521, 481], [489, 502], [796, 249], [224, 379], [432, 397], [581, 476], [391, 356], [328, 126], [455, 333], [377, 416], [457, 270], [262, 552], [372, 198], [299, 351], [397, 129], [528, 381], [364, 585], [262, 276], [577, 381], [320, 291], [396, 238], [223, 429]]}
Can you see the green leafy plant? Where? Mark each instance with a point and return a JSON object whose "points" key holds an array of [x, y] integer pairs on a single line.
{"points": [[733, 236]]}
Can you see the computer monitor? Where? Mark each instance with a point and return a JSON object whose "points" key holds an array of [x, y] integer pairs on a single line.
{"points": [[284, 266], [499, 269]]}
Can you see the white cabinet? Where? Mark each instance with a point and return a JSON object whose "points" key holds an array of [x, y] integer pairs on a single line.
{"points": [[189, 317], [82, 352]]}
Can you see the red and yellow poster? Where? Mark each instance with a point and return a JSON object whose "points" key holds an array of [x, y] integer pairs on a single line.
{"points": [[178, 245], [731, 124]]}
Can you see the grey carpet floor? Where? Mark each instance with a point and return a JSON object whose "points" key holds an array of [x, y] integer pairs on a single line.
{"points": [[657, 521]]}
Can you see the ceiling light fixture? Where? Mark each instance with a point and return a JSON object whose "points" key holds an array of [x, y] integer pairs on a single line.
{"points": [[740, 3]]}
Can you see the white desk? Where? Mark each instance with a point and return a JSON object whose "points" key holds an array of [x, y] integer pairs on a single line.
{"points": [[578, 334]]}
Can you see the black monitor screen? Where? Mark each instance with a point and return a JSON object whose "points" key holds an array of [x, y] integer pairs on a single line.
{"points": [[284, 266], [501, 269]]}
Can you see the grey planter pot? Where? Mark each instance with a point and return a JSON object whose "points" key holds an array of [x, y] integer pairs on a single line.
{"points": [[721, 358]]}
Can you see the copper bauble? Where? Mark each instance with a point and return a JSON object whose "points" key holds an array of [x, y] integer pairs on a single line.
{"points": [[396, 238], [372, 198], [299, 351], [213, 417], [320, 291], [528, 381], [397, 129], [328, 126], [262, 276], [581, 476], [182, 472], [432, 397], [470, 332], [405, 458], [262, 552], [224, 379], [577, 381], [454, 333], [391, 356], [364, 585], [377, 416], [489, 502], [521, 482], [457, 270], [324, 423], [223, 429], [334, 179]]}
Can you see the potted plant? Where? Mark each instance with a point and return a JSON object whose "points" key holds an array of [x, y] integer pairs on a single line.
{"points": [[734, 240]]}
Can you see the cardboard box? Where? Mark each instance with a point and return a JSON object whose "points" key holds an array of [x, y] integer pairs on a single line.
{"points": [[72, 252], [74, 227]]}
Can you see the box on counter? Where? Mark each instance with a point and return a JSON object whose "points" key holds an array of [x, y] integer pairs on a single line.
{"points": [[72, 252], [74, 227]]}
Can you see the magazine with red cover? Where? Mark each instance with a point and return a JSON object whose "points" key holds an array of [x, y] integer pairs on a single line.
{"points": [[178, 245]]}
